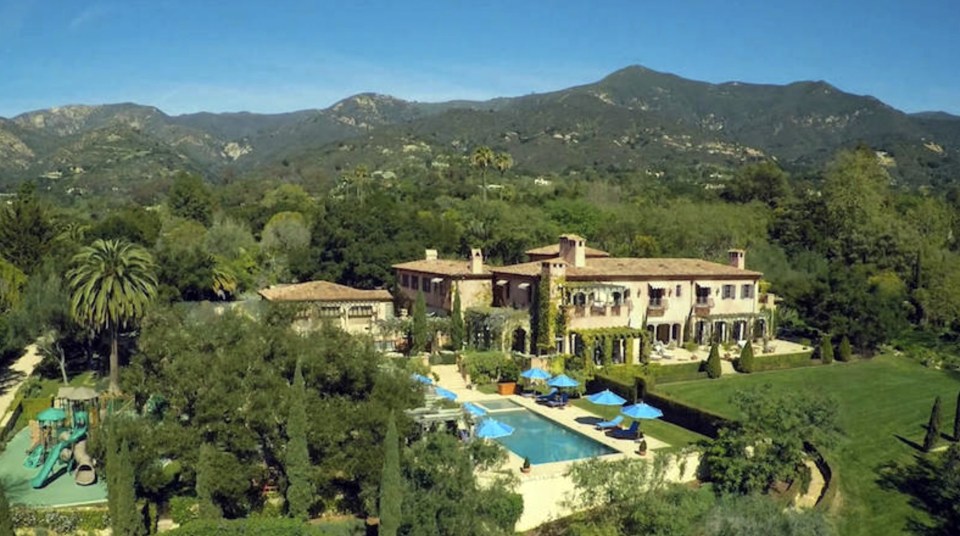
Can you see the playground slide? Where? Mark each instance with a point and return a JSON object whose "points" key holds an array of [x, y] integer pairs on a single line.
{"points": [[54, 456], [84, 475]]}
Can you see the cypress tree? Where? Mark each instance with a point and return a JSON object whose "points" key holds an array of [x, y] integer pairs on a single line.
{"points": [[125, 516], [956, 421], [391, 492], [545, 322], [746, 359], [826, 350], [6, 517], [297, 460], [457, 330], [206, 472], [845, 351], [933, 427], [418, 332], [713, 362]]}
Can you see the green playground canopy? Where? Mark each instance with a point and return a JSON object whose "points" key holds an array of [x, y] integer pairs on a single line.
{"points": [[52, 415]]}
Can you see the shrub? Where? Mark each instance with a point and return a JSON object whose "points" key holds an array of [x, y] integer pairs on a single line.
{"points": [[183, 509], [826, 349], [784, 361], [692, 418], [933, 427], [745, 363], [713, 363], [845, 352], [247, 527], [61, 521]]}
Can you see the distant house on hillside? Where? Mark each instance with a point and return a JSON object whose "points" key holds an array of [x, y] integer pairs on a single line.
{"points": [[438, 280], [352, 310]]}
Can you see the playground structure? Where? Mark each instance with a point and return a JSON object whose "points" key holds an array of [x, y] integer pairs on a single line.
{"points": [[59, 438]]}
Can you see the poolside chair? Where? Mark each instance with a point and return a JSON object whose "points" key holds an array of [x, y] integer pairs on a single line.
{"points": [[630, 433], [612, 423], [548, 396], [560, 402]]}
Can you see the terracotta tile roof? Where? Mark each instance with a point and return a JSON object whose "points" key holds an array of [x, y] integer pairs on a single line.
{"points": [[606, 267], [458, 268], [554, 249], [322, 291]]}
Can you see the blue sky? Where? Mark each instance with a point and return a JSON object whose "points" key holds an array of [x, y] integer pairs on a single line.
{"points": [[288, 55]]}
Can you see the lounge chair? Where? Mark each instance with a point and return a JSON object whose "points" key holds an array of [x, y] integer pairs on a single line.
{"points": [[560, 402], [548, 396], [630, 433], [612, 423]]}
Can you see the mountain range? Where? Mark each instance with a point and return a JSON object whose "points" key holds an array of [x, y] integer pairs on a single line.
{"points": [[633, 119]]}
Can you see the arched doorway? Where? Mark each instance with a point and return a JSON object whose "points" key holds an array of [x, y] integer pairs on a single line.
{"points": [[720, 331], [519, 342]]}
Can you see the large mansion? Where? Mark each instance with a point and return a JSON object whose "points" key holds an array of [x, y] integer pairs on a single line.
{"points": [[675, 300]]}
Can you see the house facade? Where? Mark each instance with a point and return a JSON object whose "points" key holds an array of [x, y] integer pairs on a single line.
{"points": [[353, 310], [674, 300], [438, 279]]}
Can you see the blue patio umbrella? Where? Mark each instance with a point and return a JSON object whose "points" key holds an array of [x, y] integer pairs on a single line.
{"points": [[492, 429], [445, 393], [641, 411], [422, 379], [563, 381], [535, 374], [606, 398], [474, 409]]}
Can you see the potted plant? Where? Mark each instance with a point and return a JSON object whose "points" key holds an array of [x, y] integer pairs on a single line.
{"points": [[642, 447], [526, 465], [509, 374]]}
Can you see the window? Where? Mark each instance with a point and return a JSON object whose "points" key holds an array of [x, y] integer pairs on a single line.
{"points": [[617, 298], [404, 280], [425, 284], [703, 295], [656, 297], [329, 311], [414, 282], [507, 287], [746, 292], [729, 292], [360, 311], [679, 291]]}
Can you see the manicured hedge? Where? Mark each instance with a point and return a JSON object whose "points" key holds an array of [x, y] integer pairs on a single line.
{"points": [[61, 521], [694, 370], [785, 361], [675, 412], [255, 527]]}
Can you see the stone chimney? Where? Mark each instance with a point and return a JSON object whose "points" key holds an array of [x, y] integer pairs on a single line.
{"points": [[430, 255], [553, 271], [476, 261], [573, 250], [737, 258]]}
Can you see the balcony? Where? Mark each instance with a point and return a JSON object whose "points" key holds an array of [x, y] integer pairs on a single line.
{"points": [[702, 306], [657, 307]]}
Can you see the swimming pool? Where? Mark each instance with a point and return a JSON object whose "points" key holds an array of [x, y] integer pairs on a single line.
{"points": [[542, 440]]}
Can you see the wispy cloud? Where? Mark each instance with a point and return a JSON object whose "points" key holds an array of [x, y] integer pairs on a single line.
{"points": [[91, 14]]}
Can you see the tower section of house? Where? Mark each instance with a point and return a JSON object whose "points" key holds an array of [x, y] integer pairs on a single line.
{"points": [[350, 309], [439, 278], [674, 300]]}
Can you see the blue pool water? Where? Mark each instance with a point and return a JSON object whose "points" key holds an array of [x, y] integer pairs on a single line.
{"points": [[544, 441]]}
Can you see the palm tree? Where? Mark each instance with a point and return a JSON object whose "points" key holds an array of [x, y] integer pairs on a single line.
{"points": [[482, 158], [112, 282], [503, 162]]}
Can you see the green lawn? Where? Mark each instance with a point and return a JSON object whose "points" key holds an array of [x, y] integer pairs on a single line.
{"points": [[676, 436], [880, 401]]}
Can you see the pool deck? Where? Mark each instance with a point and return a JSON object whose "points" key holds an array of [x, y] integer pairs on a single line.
{"points": [[546, 488]]}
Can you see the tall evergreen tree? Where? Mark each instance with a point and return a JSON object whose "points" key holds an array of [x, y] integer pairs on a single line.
{"points": [[6, 517], [297, 462], [956, 421], [26, 230], [826, 350], [125, 517], [546, 317], [418, 331], [206, 472], [457, 329], [713, 362], [845, 352], [746, 359], [933, 427], [391, 491]]}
